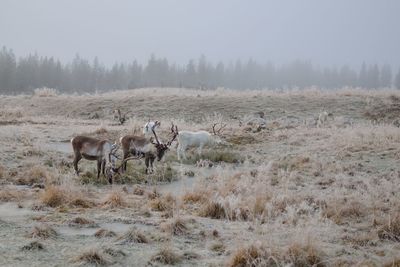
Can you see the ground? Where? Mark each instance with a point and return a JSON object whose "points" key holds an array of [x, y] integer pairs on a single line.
{"points": [[280, 190]]}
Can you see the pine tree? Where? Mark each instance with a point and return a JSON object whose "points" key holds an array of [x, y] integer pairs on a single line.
{"points": [[362, 78], [386, 76], [397, 80]]}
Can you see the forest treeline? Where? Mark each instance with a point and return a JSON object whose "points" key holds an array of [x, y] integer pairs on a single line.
{"points": [[23, 74]]}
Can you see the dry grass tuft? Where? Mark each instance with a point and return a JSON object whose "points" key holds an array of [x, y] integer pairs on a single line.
{"points": [[101, 130], [362, 239], [35, 175], [391, 229], [190, 255], [218, 247], [153, 194], [163, 203], [3, 172], [114, 252], [137, 190], [213, 210], [10, 195], [304, 255], [104, 233], [392, 263], [338, 211], [81, 203], [195, 197], [114, 200], [34, 245], [251, 256], [80, 221], [175, 226], [132, 236], [54, 196], [93, 256], [167, 256], [43, 232], [259, 207], [295, 255]]}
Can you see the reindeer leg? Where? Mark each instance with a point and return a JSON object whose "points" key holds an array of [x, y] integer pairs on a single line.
{"points": [[126, 154], [178, 152], [181, 152], [200, 149], [77, 158], [103, 167], [99, 163], [151, 163], [147, 161], [110, 177]]}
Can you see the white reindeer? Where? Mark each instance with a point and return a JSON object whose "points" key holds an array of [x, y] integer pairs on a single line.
{"points": [[323, 118], [197, 139], [149, 127]]}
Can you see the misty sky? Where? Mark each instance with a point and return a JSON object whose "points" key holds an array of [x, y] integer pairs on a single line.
{"points": [[327, 32]]}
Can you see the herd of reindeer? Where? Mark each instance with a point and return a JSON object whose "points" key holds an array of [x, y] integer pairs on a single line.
{"points": [[147, 146]]}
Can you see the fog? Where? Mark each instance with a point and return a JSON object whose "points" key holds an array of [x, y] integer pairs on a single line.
{"points": [[327, 33]]}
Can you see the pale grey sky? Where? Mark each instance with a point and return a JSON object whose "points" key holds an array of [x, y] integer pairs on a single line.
{"points": [[327, 32]]}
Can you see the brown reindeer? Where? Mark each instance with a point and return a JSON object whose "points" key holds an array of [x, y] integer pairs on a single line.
{"points": [[103, 151], [146, 147]]}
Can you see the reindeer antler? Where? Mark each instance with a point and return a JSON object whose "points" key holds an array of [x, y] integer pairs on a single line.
{"points": [[114, 148], [174, 131], [125, 160], [217, 132], [155, 135]]}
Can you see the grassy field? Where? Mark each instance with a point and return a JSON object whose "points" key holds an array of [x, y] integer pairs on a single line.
{"points": [[281, 191]]}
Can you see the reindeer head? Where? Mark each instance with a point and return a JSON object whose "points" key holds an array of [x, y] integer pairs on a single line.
{"points": [[218, 132], [113, 170], [161, 147], [112, 156]]}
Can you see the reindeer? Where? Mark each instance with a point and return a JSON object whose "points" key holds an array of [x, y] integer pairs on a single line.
{"points": [[111, 171], [141, 146], [118, 116], [103, 151], [149, 126], [198, 139], [323, 118]]}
